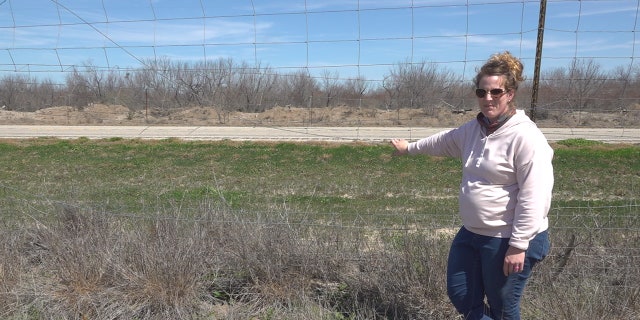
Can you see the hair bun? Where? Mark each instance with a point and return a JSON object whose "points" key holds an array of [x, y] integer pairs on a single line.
{"points": [[514, 65]]}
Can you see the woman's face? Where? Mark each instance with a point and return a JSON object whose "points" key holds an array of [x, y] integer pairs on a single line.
{"points": [[493, 105]]}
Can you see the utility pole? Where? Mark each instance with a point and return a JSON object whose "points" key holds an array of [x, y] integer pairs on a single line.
{"points": [[536, 71]]}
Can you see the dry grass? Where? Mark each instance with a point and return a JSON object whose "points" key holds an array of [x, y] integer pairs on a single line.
{"points": [[99, 114], [90, 265]]}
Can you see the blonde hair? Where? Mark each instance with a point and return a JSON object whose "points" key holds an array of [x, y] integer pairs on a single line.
{"points": [[505, 65]]}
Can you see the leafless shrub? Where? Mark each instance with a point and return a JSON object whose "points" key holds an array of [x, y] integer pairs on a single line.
{"points": [[226, 86]]}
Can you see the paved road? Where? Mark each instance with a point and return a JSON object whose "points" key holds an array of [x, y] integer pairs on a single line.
{"points": [[367, 134]]}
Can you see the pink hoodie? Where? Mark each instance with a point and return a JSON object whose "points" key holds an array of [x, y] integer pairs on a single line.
{"points": [[507, 177]]}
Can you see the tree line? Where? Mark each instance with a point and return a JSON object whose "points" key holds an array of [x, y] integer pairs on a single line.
{"points": [[228, 86]]}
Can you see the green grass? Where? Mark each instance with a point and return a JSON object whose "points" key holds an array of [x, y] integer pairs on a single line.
{"points": [[350, 180]]}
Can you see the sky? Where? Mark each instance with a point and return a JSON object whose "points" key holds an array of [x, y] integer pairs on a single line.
{"points": [[348, 38]]}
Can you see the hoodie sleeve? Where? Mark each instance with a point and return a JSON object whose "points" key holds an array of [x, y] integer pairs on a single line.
{"points": [[443, 144], [534, 174]]}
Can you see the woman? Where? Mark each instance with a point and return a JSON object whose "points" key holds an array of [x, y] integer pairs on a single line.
{"points": [[505, 195]]}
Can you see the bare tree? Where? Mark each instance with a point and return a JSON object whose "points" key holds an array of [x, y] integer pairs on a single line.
{"points": [[624, 83], [253, 84], [157, 80], [355, 90], [216, 81], [10, 87], [418, 85], [329, 84], [94, 80], [585, 82], [44, 93], [78, 89], [301, 87], [577, 85], [20, 92], [192, 86]]}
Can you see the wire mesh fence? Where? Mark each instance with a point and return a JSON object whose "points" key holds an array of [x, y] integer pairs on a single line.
{"points": [[155, 57], [347, 64]]}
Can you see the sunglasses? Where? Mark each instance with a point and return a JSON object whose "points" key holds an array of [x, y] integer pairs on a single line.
{"points": [[495, 93]]}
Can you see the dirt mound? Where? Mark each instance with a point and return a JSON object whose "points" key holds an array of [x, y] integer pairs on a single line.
{"points": [[118, 115], [99, 114]]}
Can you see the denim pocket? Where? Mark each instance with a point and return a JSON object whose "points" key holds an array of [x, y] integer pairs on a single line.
{"points": [[539, 246]]}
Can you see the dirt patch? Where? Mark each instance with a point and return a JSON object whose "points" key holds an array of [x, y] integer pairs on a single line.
{"points": [[98, 114]]}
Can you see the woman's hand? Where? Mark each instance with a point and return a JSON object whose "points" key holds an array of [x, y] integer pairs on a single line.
{"points": [[513, 261], [401, 146]]}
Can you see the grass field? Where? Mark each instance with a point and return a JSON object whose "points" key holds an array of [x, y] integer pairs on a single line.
{"points": [[239, 230]]}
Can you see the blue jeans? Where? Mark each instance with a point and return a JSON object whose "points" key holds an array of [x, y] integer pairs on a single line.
{"points": [[474, 271]]}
